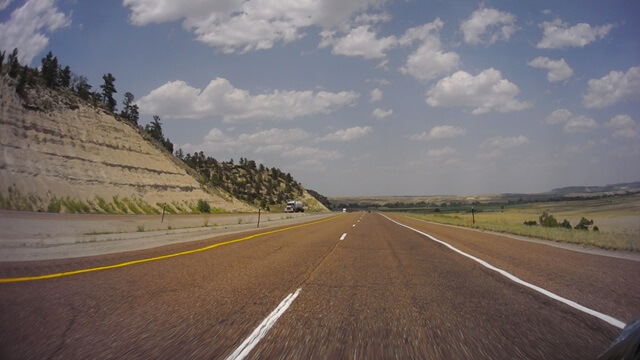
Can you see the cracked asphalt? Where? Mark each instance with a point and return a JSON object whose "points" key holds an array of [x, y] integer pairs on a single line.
{"points": [[383, 292]]}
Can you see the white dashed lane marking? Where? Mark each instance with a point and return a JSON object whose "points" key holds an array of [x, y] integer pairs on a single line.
{"points": [[245, 348]]}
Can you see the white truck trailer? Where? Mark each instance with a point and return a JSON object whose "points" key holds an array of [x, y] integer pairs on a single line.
{"points": [[294, 206]]}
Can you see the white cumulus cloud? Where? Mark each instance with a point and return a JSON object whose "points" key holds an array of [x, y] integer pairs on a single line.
{"points": [[440, 132], [624, 127], [488, 26], [485, 92], [27, 28], [380, 114], [298, 151], [4, 4], [177, 99], [498, 145], [216, 140], [558, 116], [376, 95], [502, 143], [438, 153], [612, 88], [558, 34], [372, 18], [246, 25], [578, 124], [360, 41], [621, 121], [572, 124], [559, 70], [429, 60], [349, 134], [286, 143]]}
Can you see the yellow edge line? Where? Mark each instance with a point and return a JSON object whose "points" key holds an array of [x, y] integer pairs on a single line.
{"points": [[140, 261]]}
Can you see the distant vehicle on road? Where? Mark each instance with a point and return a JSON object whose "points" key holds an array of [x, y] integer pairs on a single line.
{"points": [[344, 210], [294, 206]]}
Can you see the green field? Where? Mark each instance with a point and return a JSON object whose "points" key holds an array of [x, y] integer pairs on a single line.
{"points": [[618, 219]]}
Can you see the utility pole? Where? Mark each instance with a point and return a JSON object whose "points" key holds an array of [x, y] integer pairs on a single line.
{"points": [[473, 216]]}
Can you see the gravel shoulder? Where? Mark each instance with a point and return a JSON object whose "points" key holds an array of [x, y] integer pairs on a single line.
{"points": [[37, 236]]}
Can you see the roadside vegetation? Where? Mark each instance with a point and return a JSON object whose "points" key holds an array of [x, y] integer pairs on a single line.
{"points": [[605, 223], [248, 181]]}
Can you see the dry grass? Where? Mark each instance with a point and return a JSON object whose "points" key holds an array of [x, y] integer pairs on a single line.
{"points": [[618, 220]]}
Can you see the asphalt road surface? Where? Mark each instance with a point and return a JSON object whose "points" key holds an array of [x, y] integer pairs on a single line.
{"points": [[383, 291]]}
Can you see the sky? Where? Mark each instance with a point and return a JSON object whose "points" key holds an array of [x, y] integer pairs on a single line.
{"points": [[369, 97]]}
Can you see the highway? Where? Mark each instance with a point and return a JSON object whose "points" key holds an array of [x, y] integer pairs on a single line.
{"points": [[356, 286]]}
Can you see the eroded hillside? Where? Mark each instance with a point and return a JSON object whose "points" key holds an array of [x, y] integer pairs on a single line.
{"points": [[60, 154]]}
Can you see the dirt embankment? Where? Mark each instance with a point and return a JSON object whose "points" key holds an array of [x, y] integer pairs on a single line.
{"points": [[81, 157]]}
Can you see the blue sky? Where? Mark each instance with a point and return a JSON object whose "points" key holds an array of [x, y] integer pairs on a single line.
{"points": [[369, 97]]}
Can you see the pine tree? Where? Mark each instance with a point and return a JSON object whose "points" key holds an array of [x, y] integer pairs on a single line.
{"points": [[130, 110], [154, 128], [82, 87], [14, 65], [64, 77], [108, 89], [49, 70], [22, 82]]}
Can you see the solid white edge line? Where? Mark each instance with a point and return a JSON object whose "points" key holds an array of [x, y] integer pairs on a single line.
{"points": [[343, 236], [245, 348], [613, 321]]}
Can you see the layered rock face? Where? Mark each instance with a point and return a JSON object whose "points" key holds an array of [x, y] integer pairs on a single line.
{"points": [[57, 153]]}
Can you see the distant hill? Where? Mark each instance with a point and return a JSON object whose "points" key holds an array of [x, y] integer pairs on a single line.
{"points": [[615, 188], [321, 198], [433, 201]]}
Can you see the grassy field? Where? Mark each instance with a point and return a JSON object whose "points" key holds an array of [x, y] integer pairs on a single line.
{"points": [[618, 219]]}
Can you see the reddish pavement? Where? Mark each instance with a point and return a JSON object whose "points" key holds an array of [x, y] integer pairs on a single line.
{"points": [[384, 291]]}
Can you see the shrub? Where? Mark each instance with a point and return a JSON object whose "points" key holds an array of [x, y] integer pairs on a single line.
{"points": [[168, 208], [204, 206], [595, 228], [132, 206], [531, 223], [120, 205], [106, 207], [566, 224], [547, 220], [74, 207], [584, 224], [179, 208], [145, 207], [54, 206]]}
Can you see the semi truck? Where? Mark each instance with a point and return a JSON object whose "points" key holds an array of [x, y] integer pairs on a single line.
{"points": [[294, 206]]}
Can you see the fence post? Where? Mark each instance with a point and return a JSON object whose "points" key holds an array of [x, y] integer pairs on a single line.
{"points": [[163, 208], [258, 217]]}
